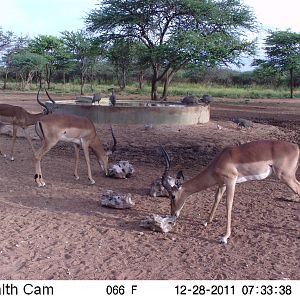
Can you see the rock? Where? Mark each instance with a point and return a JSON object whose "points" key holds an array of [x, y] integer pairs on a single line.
{"points": [[123, 169], [159, 223], [115, 200]]}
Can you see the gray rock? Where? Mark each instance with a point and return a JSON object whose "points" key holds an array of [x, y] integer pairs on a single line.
{"points": [[114, 200], [159, 223], [123, 169]]}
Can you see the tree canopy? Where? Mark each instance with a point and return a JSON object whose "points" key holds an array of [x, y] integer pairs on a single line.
{"points": [[6, 39], [176, 32], [282, 49]]}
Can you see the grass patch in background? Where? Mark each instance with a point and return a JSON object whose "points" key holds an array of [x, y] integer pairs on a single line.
{"points": [[176, 89]]}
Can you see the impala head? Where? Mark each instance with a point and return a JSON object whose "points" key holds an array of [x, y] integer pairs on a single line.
{"points": [[104, 157], [176, 191]]}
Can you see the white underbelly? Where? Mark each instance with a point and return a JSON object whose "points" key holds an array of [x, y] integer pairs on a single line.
{"points": [[70, 140], [255, 176]]}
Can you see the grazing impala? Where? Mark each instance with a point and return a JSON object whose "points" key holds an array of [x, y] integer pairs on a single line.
{"points": [[18, 117], [236, 164], [74, 129]]}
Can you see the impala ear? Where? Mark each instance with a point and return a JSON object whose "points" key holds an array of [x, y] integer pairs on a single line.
{"points": [[179, 179]]}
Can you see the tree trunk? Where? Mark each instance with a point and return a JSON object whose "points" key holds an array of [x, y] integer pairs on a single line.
{"points": [[81, 83], [5, 80], [48, 75], [123, 79], [154, 84], [292, 83], [29, 79], [154, 95], [169, 76], [141, 79]]}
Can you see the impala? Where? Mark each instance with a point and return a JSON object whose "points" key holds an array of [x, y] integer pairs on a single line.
{"points": [[236, 164], [74, 129], [18, 117]]}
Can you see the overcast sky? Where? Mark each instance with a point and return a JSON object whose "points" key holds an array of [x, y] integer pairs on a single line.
{"points": [[51, 17], [34, 17], [277, 15]]}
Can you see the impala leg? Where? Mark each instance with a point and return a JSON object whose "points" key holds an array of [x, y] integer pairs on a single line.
{"points": [[28, 137], [292, 183], [76, 148], [229, 202], [15, 130], [87, 159], [1, 153], [219, 194], [37, 157], [289, 179]]}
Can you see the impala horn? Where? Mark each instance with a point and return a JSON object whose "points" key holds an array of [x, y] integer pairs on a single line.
{"points": [[113, 147], [42, 104], [49, 97], [164, 179]]}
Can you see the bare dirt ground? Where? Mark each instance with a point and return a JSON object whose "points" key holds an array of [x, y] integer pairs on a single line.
{"points": [[62, 232]]}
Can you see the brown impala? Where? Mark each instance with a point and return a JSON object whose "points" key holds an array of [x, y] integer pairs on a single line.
{"points": [[18, 117], [236, 164], [74, 129]]}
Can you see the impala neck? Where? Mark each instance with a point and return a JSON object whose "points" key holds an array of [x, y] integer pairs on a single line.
{"points": [[199, 183], [196, 184], [97, 148], [31, 119]]}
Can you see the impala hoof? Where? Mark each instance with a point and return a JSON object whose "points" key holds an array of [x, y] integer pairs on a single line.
{"points": [[76, 177], [12, 158], [205, 224], [92, 181], [223, 241]]}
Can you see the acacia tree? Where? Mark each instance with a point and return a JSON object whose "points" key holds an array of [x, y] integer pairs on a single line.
{"points": [[176, 32], [122, 54], [6, 39], [51, 48], [18, 44], [83, 49], [282, 54], [26, 64]]}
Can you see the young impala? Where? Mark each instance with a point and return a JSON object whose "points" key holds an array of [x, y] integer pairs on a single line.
{"points": [[74, 129], [18, 117], [236, 164]]}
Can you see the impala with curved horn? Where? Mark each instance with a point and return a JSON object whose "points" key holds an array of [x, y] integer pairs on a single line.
{"points": [[74, 129], [236, 164], [18, 117]]}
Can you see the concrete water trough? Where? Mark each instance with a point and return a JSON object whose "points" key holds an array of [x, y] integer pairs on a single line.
{"points": [[135, 112]]}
